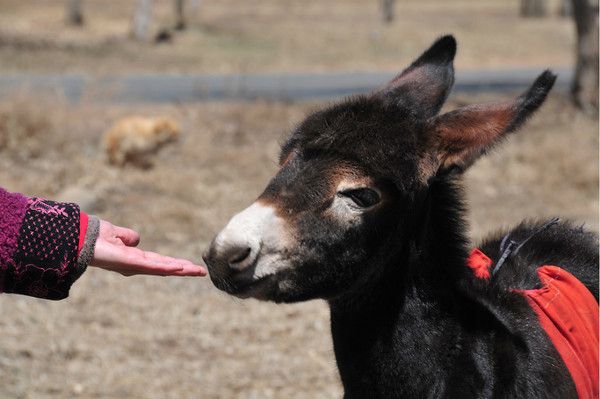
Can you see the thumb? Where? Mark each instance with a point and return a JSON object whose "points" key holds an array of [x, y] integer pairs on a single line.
{"points": [[129, 237]]}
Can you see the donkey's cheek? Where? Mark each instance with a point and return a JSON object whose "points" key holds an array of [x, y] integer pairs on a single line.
{"points": [[341, 215]]}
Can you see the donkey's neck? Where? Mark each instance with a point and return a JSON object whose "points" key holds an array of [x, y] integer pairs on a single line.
{"points": [[401, 333]]}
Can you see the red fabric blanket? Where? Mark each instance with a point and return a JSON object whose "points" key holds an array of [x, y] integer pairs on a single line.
{"points": [[568, 312]]}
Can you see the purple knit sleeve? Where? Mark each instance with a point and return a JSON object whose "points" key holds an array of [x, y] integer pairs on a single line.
{"points": [[39, 242], [13, 207]]}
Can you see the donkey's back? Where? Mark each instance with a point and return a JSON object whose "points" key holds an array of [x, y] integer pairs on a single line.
{"points": [[544, 243]]}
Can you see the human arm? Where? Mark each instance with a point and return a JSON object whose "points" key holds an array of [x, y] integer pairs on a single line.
{"points": [[45, 246]]}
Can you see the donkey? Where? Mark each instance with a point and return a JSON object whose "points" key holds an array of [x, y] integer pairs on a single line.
{"points": [[366, 213]]}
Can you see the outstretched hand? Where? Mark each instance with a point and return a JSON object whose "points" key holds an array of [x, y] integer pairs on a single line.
{"points": [[115, 250]]}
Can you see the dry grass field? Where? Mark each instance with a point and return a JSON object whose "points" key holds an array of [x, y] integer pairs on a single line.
{"points": [[278, 35], [143, 337]]}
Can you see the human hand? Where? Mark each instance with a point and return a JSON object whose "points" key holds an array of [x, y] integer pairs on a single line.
{"points": [[115, 250]]}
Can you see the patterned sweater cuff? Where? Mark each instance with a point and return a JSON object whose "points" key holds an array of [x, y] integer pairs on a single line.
{"points": [[44, 264], [87, 251]]}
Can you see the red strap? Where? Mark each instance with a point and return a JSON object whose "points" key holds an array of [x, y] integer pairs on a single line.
{"points": [[83, 224], [479, 263], [568, 312]]}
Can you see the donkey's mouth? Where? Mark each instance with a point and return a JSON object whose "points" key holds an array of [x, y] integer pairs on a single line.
{"points": [[244, 287]]}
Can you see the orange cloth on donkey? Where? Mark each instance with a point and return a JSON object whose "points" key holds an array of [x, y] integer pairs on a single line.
{"points": [[568, 312]]}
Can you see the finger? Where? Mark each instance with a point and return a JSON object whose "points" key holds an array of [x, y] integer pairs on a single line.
{"points": [[152, 260], [129, 237], [192, 271], [195, 271], [148, 272], [185, 267], [167, 260]]}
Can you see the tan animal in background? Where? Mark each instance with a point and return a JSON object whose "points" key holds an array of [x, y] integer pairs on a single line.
{"points": [[134, 138]]}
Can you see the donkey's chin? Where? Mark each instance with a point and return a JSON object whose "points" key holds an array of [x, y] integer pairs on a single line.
{"points": [[258, 288]]}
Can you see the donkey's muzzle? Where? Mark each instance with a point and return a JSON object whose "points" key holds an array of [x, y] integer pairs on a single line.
{"points": [[225, 261], [232, 267], [235, 249]]}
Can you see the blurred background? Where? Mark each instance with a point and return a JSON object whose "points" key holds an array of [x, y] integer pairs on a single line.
{"points": [[167, 116]]}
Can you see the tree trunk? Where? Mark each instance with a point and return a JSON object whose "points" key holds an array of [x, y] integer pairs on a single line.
{"points": [[584, 87], [195, 4], [179, 14], [387, 10], [566, 8], [74, 13], [141, 20], [533, 8]]}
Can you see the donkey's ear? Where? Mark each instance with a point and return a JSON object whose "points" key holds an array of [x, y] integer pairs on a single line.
{"points": [[459, 137], [424, 86]]}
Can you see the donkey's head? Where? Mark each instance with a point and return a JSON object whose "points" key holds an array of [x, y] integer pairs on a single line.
{"points": [[352, 180]]}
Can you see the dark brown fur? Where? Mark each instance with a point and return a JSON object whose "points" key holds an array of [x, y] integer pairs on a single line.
{"points": [[389, 253]]}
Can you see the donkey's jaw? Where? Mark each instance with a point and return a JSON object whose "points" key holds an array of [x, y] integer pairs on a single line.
{"points": [[258, 288]]}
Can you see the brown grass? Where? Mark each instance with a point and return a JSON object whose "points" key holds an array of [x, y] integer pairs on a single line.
{"points": [[140, 337], [24, 131], [276, 35]]}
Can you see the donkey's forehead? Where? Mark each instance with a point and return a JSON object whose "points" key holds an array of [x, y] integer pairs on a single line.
{"points": [[375, 138], [357, 121]]}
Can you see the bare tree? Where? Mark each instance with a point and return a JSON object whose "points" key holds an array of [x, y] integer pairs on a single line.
{"points": [[566, 8], [533, 8], [387, 10], [584, 87], [142, 18], [74, 13], [179, 14], [195, 4]]}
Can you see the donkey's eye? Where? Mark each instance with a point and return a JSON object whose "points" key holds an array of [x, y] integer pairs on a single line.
{"points": [[362, 197]]}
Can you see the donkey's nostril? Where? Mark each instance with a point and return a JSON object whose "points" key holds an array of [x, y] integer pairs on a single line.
{"points": [[238, 256]]}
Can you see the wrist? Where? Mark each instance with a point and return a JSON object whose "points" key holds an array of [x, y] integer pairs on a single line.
{"points": [[86, 253]]}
